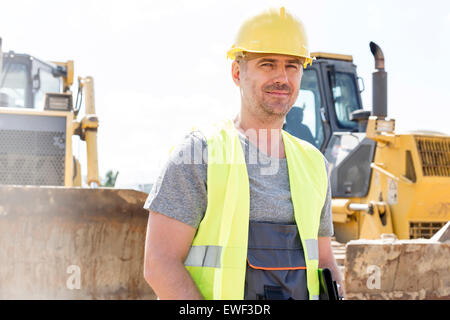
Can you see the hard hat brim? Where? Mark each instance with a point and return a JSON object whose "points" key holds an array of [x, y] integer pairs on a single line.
{"points": [[233, 52]]}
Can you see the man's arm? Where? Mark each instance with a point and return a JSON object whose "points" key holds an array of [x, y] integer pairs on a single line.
{"points": [[327, 260], [167, 244]]}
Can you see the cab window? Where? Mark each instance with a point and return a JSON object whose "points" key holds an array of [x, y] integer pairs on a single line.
{"points": [[304, 120], [14, 85], [345, 99], [48, 84]]}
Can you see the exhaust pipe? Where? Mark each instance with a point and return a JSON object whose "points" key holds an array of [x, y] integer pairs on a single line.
{"points": [[379, 83]]}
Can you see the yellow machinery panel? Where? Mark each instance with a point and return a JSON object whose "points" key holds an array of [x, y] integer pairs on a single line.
{"points": [[409, 192], [36, 147]]}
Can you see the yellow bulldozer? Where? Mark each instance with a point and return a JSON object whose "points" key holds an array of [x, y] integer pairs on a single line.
{"points": [[391, 190], [59, 240], [383, 182]]}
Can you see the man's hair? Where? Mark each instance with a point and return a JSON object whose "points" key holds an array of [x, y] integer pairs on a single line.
{"points": [[240, 59]]}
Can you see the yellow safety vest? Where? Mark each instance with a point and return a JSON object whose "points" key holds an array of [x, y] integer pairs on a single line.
{"points": [[217, 257]]}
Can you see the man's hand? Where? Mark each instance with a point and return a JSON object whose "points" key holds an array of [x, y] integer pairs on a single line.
{"points": [[327, 260], [167, 244]]}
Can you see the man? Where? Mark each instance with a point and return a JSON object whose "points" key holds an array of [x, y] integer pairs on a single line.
{"points": [[242, 209]]}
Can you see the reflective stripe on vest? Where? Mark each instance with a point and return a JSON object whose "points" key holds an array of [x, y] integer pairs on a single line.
{"points": [[204, 256], [217, 258]]}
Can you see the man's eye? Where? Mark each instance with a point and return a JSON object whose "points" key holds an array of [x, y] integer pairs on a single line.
{"points": [[293, 66], [266, 65]]}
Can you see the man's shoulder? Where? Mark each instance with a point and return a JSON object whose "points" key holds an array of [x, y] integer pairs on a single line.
{"points": [[303, 143], [196, 136], [215, 128], [194, 145], [189, 149]]}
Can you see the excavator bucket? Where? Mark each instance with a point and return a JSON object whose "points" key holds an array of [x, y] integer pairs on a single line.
{"points": [[72, 243]]}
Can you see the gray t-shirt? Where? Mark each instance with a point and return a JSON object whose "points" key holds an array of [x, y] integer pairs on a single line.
{"points": [[180, 190]]}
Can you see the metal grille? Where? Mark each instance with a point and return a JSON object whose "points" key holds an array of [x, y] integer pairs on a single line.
{"points": [[32, 157], [435, 156], [424, 229]]}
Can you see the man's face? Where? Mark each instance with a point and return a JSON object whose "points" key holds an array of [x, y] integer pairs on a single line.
{"points": [[269, 83]]}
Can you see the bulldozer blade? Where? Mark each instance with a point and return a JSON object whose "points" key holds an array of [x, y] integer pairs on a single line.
{"points": [[397, 270], [72, 243]]}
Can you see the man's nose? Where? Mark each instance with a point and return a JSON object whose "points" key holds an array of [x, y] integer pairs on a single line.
{"points": [[281, 74]]}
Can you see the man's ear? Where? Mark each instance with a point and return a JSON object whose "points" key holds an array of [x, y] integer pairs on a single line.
{"points": [[236, 73]]}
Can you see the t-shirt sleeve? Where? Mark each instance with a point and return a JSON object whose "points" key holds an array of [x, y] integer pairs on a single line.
{"points": [[326, 228], [180, 189]]}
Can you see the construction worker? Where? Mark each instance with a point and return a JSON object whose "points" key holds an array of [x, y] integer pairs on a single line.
{"points": [[242, 209]]}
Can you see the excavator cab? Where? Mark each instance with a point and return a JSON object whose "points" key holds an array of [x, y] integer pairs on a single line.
{"points": [[329, 93], [25, 80]]}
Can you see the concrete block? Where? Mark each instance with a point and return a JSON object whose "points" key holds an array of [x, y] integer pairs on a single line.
{"points": [[393, 269]]}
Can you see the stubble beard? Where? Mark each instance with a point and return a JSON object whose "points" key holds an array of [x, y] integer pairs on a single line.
{"points": [[271, 110], [274, 111], [264, 109], [270, 107]]}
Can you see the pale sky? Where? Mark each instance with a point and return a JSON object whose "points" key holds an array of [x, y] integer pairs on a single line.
{"points": [[160, 66]]}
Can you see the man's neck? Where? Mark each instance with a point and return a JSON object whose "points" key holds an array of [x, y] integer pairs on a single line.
{"points": [[264, 133]]}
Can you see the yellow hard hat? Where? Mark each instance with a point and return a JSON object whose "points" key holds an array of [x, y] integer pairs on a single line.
{"points": [[273, 31]]}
